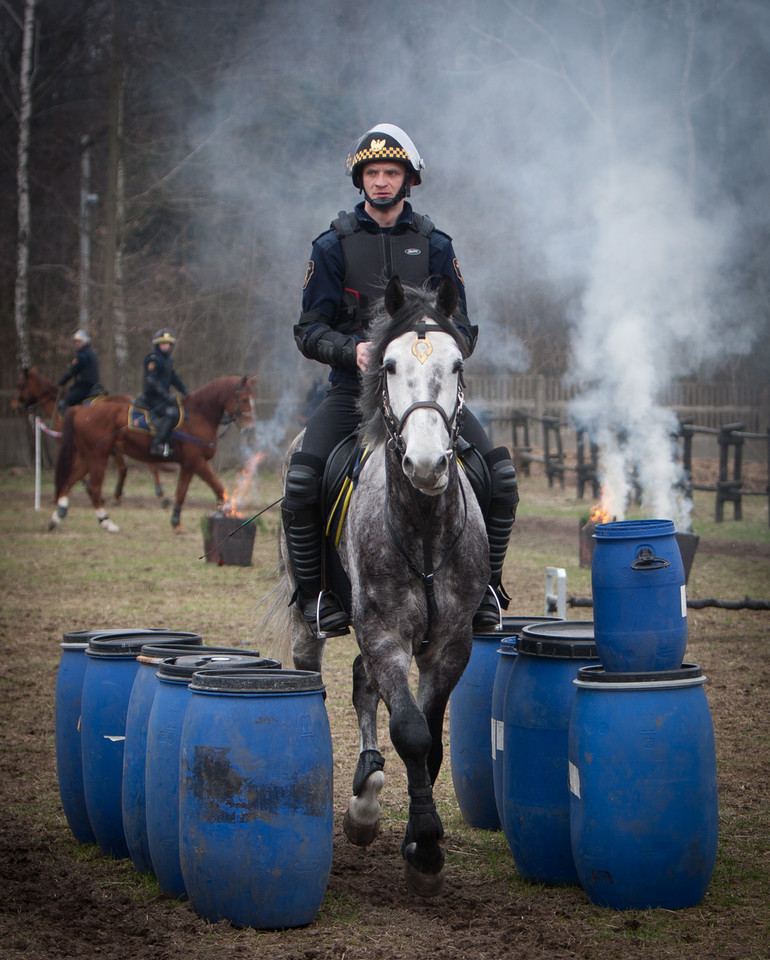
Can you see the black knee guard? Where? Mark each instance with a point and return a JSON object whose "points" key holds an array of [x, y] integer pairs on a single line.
{"points": [[502, 509]]}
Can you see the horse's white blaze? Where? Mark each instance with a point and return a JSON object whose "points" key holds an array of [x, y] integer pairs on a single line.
{"points": [[426, 438]]}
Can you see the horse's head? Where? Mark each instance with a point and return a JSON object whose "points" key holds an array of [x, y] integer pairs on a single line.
{"points": [[241, 405], [419, 364], [28, 390]]}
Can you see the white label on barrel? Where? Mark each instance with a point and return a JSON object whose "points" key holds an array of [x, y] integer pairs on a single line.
{"points": [[500, 736], [574, 779], [493, 737], [113, 739], [683, 598]]}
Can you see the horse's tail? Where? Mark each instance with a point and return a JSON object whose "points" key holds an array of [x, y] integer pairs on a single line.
{"points": [[66, 453], [274, 628]]}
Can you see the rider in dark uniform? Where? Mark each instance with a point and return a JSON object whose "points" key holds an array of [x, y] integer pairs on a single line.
{"points": [[159, 377], [349, 265], [85, 369]]}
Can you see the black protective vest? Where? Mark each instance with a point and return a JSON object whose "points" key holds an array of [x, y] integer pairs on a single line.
{"points": [[371, 259]]}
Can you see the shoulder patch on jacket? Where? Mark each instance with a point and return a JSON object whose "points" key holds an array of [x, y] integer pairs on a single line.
{"points": [[309, 270]]}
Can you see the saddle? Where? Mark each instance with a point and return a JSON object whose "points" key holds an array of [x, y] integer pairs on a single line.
{"points": [[139, 418], [339, 481]]}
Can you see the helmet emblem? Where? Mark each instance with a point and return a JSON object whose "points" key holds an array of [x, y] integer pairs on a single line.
{"points": [[376, 145]]}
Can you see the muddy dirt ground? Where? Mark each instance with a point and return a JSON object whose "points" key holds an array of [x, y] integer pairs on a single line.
{"points": [[60, 900]]}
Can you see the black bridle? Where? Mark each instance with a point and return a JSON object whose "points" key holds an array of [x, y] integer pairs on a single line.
{"points": [[395, 427]]}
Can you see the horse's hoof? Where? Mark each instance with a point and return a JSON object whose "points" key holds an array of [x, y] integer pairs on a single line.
{"points": [[109, 526], [423, 884], [360, 834], [53, 523]]}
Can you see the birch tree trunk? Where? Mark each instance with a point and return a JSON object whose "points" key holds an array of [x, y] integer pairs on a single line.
{"points": [[21, 295]]}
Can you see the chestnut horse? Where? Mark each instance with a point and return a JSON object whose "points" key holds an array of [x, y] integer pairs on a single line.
{"points": [[91, 433], [33, 389]]}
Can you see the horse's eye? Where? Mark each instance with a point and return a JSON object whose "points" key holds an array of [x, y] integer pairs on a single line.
{"points": [[389, 366], [458, 367]]}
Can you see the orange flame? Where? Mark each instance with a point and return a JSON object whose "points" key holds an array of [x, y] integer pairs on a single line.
{"points": [[231, 503], [599, 513]]}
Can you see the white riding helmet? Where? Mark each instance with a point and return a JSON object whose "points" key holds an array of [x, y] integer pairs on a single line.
{"points": [[82, 336], [385, 141]]}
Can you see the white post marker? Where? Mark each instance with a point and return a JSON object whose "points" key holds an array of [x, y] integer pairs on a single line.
{"points": [[37, 463], [556, 592]]}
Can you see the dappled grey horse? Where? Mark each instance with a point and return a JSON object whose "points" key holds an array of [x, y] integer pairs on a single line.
{"points": [[415, 551]]}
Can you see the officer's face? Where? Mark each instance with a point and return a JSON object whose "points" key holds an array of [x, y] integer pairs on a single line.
{"points": [[383, 180], [164, 347]]}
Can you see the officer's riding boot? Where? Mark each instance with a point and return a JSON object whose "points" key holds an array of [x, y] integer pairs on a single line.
{"points": [[164, 427], [303, 524], [499, 521]]}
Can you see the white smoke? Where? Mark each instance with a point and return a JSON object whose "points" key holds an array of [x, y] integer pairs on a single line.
{"points": [[578, 150], [650, 313]]}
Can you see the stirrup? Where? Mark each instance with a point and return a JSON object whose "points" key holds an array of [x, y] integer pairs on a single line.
{"points": [[484, 610], [340, 631]]}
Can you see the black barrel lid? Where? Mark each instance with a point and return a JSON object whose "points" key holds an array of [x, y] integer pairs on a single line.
{"points": [[561, 640], [182, 667], [160, 650], [597, 674], [130, 642], [512, 625], [254, 680], [84, 636]]}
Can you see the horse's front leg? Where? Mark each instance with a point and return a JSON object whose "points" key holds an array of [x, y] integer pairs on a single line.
{"points": [[362, 818], [411, 737]]}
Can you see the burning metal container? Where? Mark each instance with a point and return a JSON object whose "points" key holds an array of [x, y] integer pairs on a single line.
{"points": [[227, 541]]}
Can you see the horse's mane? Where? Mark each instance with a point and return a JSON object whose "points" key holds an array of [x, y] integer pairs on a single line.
{"points": [[420, 302]]}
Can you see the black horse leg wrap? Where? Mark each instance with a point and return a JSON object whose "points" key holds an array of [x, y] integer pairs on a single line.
{"points": [[369, 761], [421, 801]]}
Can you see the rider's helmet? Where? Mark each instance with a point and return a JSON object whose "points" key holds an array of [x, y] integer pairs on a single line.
{"points": [[383, 142], [164, 336], [82, 337]]}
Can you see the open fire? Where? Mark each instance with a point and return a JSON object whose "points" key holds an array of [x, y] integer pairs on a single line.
{"points": [[227, 539], [243, 484]]}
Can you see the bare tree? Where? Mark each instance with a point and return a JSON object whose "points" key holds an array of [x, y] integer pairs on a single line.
{"points": [[21, 299]]}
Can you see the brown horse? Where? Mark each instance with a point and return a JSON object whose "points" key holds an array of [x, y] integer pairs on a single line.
{"points": [[33, 389], [91, 433]]}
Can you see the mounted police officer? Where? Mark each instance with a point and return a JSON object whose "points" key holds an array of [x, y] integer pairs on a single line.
{"points": [[159, 377], [85, 369], [349, 265]]}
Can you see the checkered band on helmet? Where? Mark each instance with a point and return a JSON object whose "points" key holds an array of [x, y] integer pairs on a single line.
{"points": [[383, 142]]}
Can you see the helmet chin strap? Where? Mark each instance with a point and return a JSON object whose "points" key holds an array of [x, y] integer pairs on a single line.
{"points": [[390, 201]]}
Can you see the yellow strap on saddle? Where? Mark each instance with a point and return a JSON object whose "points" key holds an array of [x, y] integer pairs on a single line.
{"points": [[339, 511]]}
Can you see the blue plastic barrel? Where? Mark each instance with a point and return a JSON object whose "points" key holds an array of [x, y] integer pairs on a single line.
{"points": [[536, 710], [506, 653], [109, 676], [472, 726], [67, 710], [639, 601], [164, 732], [643, 788], [255, 797], [135, 750]]}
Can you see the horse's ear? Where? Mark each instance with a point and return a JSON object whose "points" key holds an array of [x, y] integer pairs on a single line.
{"points": [[447, 297], [252, 380], [394, 296]]}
